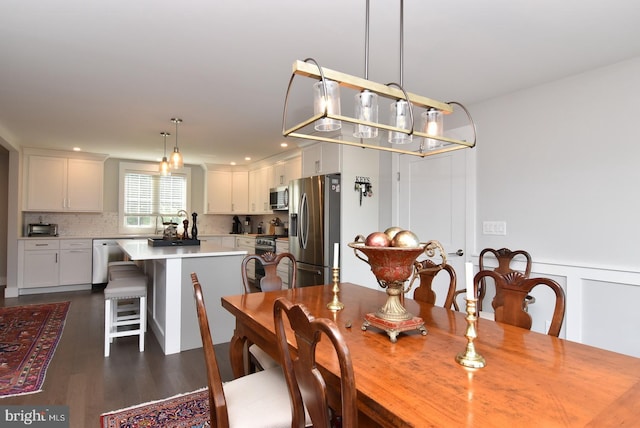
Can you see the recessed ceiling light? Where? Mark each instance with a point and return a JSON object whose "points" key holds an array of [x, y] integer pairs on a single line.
{"points": [[284, 145], [233, 163], [77, 149], [247, 158]]}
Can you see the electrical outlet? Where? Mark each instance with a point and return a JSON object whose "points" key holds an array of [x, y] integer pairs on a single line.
{"points": [[494, 227]]}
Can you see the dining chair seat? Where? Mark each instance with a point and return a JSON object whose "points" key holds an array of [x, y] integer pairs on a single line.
{"points": [[260, 399]]}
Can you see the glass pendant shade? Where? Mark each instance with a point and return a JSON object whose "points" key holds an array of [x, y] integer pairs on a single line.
{"points": [[400, 118], [366, 106], [432, 124], [164, 166], [329, 103], [176, 159]]}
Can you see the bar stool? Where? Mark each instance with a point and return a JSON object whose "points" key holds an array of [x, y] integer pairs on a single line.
{"points": [[125, 305]]}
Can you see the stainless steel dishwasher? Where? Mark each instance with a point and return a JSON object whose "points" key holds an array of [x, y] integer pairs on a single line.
{"points": [[104, 251]]}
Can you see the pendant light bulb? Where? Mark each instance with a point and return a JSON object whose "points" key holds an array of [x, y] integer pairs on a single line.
{"points": [[164, 165], [176, 157], [401, 110], [433, 125]]}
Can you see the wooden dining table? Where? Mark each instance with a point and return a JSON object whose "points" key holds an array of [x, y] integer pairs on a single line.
{"points": [[530, 379]]}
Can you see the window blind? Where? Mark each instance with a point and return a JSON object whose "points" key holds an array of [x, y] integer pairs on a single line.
{"points": [[154, 194]]}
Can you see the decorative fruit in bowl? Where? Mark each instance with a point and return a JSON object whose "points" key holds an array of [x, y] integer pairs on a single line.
{"points": [[405, 239], [392, 231], [377, 239]]}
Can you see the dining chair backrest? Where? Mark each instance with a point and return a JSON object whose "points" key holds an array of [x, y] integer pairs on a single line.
{"points": [[217, 402], [306, 385], [512, 290], [426, 271], [504, 257], [271, 280], [255, 400]]}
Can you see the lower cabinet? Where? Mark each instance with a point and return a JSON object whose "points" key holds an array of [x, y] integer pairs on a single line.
{"points": [[41, 263], [75, 261], [248, 244], [284, 268], [54, 262]]}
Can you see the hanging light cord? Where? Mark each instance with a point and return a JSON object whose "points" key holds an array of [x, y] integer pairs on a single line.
{"points": [[401, 42], [366, 44]]}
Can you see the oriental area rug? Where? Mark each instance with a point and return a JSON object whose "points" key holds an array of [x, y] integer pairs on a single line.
{"points": [[189, 410], [29, 336]]}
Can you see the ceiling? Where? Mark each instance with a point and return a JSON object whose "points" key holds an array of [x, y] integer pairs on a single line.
{"points": [[107, 76]]}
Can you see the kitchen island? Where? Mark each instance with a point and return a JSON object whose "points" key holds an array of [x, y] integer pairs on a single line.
{"points": [[170, 304]]}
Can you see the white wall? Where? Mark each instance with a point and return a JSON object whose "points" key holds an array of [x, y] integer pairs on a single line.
{"points": [[560, 164], [358, 219]]}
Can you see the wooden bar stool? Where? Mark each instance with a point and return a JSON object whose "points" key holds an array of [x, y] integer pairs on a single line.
{"points": [[125, 309]]}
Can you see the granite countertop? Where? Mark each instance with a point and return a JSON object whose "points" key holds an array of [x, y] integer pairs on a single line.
{"points": [[139, 249]]}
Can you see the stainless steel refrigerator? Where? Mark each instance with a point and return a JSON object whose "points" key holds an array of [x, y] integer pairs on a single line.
{"points": [[314, 226]]}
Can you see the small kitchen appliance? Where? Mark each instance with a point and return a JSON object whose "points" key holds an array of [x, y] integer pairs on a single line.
{"points": [[42, 229], [237, 225]]}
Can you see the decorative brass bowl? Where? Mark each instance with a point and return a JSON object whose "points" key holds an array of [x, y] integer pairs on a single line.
{"points": [[392, 266], [389, 264]]}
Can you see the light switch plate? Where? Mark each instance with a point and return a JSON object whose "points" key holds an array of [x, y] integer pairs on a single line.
{"points": [[494, 227]]}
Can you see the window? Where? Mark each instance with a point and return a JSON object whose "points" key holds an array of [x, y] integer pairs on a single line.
{"points": [[148, 198]]}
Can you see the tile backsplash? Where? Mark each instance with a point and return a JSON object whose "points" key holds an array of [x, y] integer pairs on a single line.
{"points": [[105, 224]]}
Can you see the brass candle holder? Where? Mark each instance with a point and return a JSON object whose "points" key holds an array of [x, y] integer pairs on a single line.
{"points": [[470, 358], [335, 304]]}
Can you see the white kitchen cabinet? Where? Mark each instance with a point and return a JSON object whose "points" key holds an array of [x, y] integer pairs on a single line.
{"points": [[227, 192], [223, 241], [75, 261], [240, 193], [54, 262], [321, 158], [248, 244], [284, 267], [260, 181], [58, 183], [286, 171], [41, 263]]}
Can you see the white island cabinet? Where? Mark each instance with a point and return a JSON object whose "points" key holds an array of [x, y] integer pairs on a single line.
{"points": [[170, 303]]}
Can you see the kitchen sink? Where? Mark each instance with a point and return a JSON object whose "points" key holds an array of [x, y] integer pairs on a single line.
{"points": [[159, 242]]}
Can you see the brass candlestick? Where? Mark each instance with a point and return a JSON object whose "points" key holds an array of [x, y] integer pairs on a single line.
{"points": [[335, 304], [470, 358]]}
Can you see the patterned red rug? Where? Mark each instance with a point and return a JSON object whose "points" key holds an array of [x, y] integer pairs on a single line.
{"points": [[29, 336], [189, 410]]}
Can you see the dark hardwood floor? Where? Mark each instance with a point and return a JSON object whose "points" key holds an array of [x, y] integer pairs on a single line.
{"points": [[90, 384]]}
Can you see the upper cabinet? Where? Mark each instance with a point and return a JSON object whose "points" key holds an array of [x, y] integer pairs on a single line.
{"points": [[286, 171], [56, 181], [260, 180], [227, 192], [320, 158]]}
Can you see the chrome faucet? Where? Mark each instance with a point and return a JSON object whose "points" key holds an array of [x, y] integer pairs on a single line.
{"points": [[186, 214]]}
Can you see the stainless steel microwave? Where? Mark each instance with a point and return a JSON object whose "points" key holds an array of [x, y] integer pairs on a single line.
{"points": [[279, 198]]}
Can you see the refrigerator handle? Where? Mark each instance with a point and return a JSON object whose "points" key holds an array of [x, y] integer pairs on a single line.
{"points": [[293, 224], [313, 270], [304, 221]]}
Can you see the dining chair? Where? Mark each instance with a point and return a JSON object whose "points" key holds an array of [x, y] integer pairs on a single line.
{"points": [[504, 257], [307, 387], [256, 400], [426, 271], [270, 282], [509, 304]]}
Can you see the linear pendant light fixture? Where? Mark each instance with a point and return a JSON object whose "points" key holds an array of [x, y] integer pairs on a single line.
{"points": [[164, 165], [176, 157], [327, 124]]}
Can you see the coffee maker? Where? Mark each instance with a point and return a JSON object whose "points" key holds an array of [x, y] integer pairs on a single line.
{"points": [[237, 225]]}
